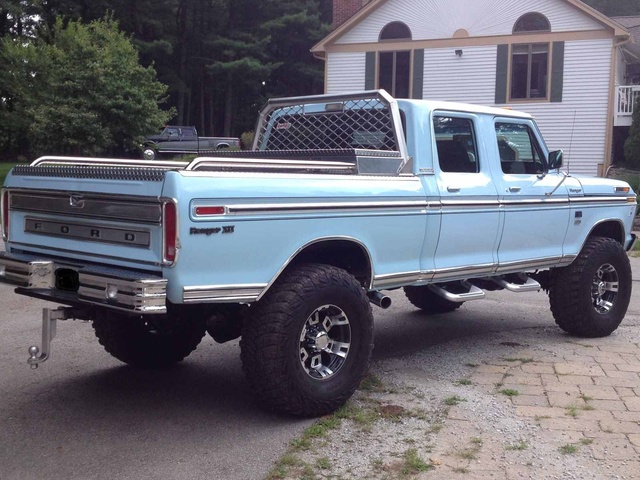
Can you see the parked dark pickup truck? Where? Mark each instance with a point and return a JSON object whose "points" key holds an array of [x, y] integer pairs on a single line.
{"points": [[177, 140]]}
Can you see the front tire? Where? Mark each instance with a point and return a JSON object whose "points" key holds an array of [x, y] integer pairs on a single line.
{"points": [[306, 345], [148, 341], [429, 302], [589, 298]]}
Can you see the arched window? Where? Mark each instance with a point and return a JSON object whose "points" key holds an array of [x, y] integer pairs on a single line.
{"points": [[532, 22], [530, 62], [394, 68], [395, 31]]}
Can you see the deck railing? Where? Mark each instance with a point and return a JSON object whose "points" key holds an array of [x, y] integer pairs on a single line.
{"points": [[627, 98]]}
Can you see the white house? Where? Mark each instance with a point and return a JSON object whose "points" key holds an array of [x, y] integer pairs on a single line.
{"points": [[559, 60]]}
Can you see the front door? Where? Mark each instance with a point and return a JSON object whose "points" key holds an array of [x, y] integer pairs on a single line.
{"points": [[535, 203]]}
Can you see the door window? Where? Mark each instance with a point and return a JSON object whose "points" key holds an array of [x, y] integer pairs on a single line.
{"points": [[519, 150], [456, 144]]}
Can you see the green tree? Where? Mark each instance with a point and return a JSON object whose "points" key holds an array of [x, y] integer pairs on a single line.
{"points": [[293, 28], [632, 144], [262, 51], [614, 8], [86, 92], [18, 17], [221, 59]]}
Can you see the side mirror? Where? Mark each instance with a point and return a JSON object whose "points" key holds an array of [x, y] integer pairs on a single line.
{"points": [[555, 160]]}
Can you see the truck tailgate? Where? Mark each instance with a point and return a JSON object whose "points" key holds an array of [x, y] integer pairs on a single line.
{"points": [[103, 215]]}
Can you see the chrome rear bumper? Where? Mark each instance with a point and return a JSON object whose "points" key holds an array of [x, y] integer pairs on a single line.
{"points": [[116, 288]]}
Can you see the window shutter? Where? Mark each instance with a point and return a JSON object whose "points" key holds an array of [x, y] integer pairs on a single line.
{"points": [[370, 71], [502, 64], [418, 74], [557, 71]]}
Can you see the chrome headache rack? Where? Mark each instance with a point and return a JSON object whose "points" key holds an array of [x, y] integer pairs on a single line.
{"points": [[348, 134], [366, 124]]}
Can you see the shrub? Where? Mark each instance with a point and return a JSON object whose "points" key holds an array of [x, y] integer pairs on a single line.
{"points": [[246, 140], [632, 145]]}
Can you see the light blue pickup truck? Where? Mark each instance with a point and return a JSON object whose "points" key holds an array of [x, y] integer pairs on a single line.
{"points": [[342, 198]]}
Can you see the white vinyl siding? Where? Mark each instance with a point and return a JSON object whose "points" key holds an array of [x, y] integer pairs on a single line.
{"points": [[469, 78], [345, 72], [437, 19], [585, 99]]}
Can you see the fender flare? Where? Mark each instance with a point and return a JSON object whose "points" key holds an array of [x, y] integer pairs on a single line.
{"points": [[301, 249]]}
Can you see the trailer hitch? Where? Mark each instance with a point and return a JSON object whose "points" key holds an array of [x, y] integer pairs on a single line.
{"points": [[50, 317]]}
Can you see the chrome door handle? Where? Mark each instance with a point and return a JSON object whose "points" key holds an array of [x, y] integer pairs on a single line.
{"points": [[453, 189], [514, 189]]}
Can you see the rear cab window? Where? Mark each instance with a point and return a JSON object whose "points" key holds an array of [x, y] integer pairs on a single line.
{"points": [[456, 144]]}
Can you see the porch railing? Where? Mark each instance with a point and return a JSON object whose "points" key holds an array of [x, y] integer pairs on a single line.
{"points": [[628, 96]]}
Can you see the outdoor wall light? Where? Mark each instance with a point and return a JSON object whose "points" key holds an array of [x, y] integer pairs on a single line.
{"points": [[459, 53]]}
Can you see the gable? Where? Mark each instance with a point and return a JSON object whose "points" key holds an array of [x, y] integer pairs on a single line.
{"points": [[438, 20], [433, 19]]}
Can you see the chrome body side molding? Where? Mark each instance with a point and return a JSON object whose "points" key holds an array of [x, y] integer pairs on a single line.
{"points": [[223, 293]]}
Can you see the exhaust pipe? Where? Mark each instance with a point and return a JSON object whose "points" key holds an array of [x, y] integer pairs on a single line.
{"points": [[379, 299]]}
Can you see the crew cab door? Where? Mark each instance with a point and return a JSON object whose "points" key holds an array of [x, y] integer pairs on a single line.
{"points": [[469, 205], [535, 203]]}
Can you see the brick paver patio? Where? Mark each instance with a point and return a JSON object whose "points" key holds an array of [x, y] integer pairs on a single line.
{"points": [[580, 399]]}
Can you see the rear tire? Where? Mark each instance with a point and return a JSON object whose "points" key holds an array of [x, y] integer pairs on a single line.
{"points": [[589, 298], [429, 302], [307, 344], [148, 341]]}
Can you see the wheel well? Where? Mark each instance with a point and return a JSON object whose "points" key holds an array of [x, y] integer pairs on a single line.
{"points": [[345, 254], [611, 229]]}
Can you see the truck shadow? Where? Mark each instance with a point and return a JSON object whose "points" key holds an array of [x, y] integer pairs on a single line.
{"points": [[415, 331], [208, 389]]}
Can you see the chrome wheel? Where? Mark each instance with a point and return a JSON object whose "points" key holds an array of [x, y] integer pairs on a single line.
{"points": [[324, 342], [149, 154], [604, 289]]}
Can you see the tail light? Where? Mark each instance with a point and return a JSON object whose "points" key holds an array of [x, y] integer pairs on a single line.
{"points": [[4, 217], [170, 232]]}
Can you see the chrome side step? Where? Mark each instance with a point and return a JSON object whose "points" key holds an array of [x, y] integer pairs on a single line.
{"points": [[472, 292], [528, 285]]}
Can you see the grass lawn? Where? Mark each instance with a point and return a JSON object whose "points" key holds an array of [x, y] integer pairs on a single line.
{"points": [[4, 169]]}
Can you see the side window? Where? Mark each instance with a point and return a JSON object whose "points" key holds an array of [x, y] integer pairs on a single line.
{"points": [[394, 68], [530, 61], [394, 74], [456, 144], [519, 149]]}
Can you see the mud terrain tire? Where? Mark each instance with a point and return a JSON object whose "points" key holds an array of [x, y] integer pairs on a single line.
{"points": [[145, 342], [589, 298], [306, 345]]}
